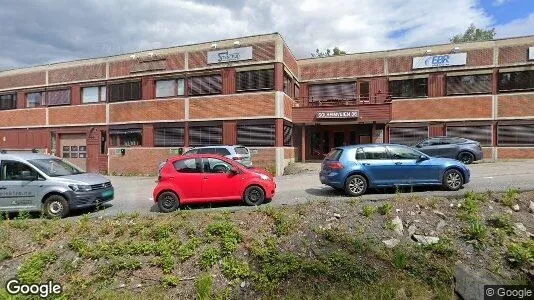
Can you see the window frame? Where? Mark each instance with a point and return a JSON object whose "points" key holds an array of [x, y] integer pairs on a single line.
{"points": [[512, 90], [198, 166], [175, 84], [465, 91], [180, 127], [193, 126], [413, 85], [121, 144], [99, 88], [42, 95], [62, 89], [259, 83], [13, 100], [130, 83], [271, 123], [32, 169], [189, 85]]}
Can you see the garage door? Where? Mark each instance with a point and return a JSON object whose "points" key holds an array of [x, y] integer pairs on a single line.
{"points": [[74, 149]]}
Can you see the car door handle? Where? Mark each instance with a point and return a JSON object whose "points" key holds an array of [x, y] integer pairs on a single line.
{"points": [[204, 177], [398, 163]]}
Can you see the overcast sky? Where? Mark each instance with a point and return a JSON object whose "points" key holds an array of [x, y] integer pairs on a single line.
{"points": [[34, 32]]}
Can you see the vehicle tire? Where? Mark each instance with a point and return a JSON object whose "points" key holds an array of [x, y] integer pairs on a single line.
{"points": [[254, 195], [56, 206], [355, 185], [168, 202], [453, 180], [466, 157]]}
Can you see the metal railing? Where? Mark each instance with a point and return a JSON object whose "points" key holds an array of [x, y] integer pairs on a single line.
{"points": [[378, 98]]}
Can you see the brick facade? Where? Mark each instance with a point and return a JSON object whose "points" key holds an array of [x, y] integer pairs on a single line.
{"points": [[77, 73], [234, 106], [23, 117], [518, 105], [442, 108], [80, 114], [169, 109]]}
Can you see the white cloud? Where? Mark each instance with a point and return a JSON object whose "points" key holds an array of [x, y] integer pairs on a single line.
{"points": [[500, 2], [42, 32], [518, 27]]}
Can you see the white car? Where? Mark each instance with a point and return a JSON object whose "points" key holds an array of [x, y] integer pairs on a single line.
{"points": [[238, 153]]}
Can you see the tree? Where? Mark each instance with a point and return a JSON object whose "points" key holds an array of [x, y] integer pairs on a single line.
{"points": [[473, 34], [335, 52]]}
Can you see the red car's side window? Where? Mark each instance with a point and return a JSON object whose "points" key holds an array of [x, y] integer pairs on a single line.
{"points": [[187, 166]]}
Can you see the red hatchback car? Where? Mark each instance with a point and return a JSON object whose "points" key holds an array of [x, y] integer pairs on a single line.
{"points": [[208, 178]]}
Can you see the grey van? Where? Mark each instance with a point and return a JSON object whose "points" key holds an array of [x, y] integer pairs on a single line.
{"points": [[238, 153], [32, 181]]}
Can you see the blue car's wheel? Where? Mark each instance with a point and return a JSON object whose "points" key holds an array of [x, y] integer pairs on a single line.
{"points": [[453, 180], [356, 185]]}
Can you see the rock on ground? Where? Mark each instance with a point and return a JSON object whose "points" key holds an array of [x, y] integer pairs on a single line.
{"points": [[398, 227]]}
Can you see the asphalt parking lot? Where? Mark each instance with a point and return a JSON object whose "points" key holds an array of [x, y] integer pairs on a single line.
{"points": [[134, 194]]}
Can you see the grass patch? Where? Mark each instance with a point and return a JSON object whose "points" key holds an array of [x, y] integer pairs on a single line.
{"points": [[368, 210], [510, 197], [385, 209], [282, 223], [521, 254], [32, 269], [503, 222], [234, 269], [209, 257], [227, 234], [204, 287], [476, 232], [169, 281]]}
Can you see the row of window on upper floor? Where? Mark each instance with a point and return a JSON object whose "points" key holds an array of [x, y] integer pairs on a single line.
{"points": [[246, 81], [418, 87]]}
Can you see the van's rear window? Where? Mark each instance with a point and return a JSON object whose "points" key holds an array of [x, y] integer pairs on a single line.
{"points": [[335, 154]]}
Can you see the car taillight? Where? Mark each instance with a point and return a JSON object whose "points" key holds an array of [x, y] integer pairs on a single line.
{"points": [[336, 165]]}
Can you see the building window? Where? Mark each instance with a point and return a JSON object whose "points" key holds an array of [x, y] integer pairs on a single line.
{"points": [[8, 101], [169, 136], [408, 88], [255, 80], [297, 91], [205, 135], [407, 135], [205, 85], [94, 94], [332, 91], [34, 99], [287, 85], [258, 134], [469, 84], [288, 135], [126, 91], [58, 97], [479, 133], [515, 135], [170, 88], [126, 137], [516, 81]]}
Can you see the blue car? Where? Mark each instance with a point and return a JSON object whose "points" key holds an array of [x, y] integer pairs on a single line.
{"points": [[356, 168]]}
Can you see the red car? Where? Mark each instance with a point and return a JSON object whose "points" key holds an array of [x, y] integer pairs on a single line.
{"points": [[207, 178]]}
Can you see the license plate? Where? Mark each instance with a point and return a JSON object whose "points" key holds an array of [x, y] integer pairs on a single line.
{"points": [[107, 194]]}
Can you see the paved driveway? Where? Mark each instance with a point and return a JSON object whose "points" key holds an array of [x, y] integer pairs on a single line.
{"points": [[133, 194]]}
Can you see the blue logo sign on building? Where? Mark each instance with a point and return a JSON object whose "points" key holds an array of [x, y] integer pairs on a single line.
{"points": [[441, 60]]}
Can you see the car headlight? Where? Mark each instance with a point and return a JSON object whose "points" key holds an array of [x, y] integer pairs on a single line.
{"points": [[80, 188], [264, 177]]}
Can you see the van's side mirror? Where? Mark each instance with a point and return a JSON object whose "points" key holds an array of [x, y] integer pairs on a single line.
{"points": [[28, 176]]}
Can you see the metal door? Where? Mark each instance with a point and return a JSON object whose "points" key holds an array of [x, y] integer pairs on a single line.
{"points": [[73, 148]]}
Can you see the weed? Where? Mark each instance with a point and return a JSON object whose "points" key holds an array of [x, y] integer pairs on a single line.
{"points": [[503, 222], [209, 257], [389, 225], [400, 259], [444, 247], [32, 269], [476, 231], [354, 201], [5, 254], [169, 280], [233, 268], [188, 249], [521, 254], [21, 220], [385, 209], [510, 197], [477, 197], [204, 286], [470, 207], [282, 223], [119, 263], [228, 234], [368, 210]]}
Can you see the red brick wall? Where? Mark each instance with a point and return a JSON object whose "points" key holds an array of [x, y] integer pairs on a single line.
{"points": [[288, 107], [176, 61], [234, 106], [264, 158], [79, 114], [513, 54], [171, 109], [399, 64], [137, 160], [487, 153], [23, 117], [24, 79], [505, 152], [264, 51], [516, 105], [480, 57], [290, 62], [345, 68], [442, 108], [436, 85], [77, 73]]}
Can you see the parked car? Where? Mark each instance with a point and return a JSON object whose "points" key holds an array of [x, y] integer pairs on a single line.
{"points": [[209, 178], [40, 182], [356, 168], [238, 153], [464, 150]]}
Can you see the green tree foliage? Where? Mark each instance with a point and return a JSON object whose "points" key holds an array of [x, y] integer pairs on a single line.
{"points": [[334, 52], [473, 34]]}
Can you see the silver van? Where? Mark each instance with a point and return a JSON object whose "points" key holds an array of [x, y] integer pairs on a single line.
{"points": [[240, 154], [31, 181]]}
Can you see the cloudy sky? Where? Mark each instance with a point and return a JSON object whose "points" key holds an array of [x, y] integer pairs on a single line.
{"points": [[34, 32]]}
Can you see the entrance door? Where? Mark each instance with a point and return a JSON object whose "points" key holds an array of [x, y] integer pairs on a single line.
{"points": [[339, 139], [73, 148]]}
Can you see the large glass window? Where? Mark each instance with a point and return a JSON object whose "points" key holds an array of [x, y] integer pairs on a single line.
{"points": [[256, 134], [126, 91], [34, 99], [332, 91], [515, 135], [205, 135], [205, 85], [288, 135], [16, 171], [170, 88], [479, 133], [8, 101], [469, 84], [126, 137], [58, 97], [94, 94], [407, 135], [408, 88], [516, 81], [169, 136], [255, 80]]}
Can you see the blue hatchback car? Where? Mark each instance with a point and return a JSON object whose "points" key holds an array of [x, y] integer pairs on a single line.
{"points": [[356, 168]]}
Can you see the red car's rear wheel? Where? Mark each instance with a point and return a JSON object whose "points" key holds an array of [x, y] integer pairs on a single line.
{"points": [[254, 195], [168, 201]]}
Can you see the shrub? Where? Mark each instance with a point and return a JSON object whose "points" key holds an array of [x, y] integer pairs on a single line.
{"points": [[368, 210], [32, 269], [510, 197], [385, 208]]}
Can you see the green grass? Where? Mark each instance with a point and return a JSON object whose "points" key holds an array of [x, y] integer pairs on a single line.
{"points": [[476, 231], [209, 257], [368, 210], [503, 222], [169, 281], [232, 268], [32, 269], [510, 197], [385, 209], [204, 287], [521, 254], [227, 234], [282, 222]]}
